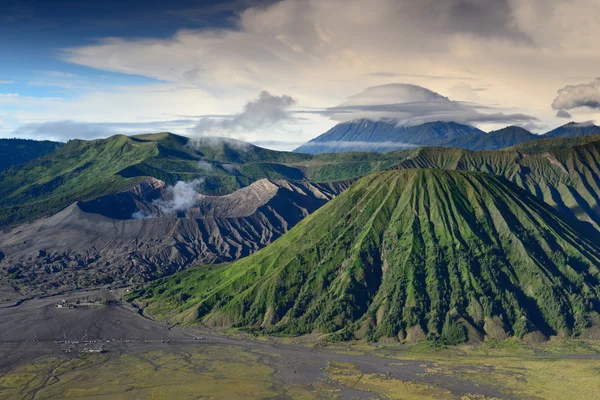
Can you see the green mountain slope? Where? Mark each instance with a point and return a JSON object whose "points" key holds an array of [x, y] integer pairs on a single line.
{"points": [[19, 151], [553, 143], [83, 170], [494, 140], [567, 179], [404, 254]]}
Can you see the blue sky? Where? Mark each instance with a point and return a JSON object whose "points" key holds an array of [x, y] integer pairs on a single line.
{"points": [[282, 72], [33, 34]]}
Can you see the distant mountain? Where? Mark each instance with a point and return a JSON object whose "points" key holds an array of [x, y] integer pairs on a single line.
{"points": [[509, 136], [404, 255], [19, 151], [384, 135], [573, 129]]}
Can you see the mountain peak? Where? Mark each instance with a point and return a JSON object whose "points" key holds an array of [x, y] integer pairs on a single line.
{"points": [[384, 135], [404, 252]]}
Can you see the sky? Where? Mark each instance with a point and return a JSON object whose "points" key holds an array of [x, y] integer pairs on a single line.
{"points": [[278, 73]]}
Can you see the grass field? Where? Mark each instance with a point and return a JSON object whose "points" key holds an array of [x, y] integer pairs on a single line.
{"points": [[216, 372], [561, 370]]}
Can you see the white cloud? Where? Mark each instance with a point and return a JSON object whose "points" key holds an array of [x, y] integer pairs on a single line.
{"points": [[574, 96], [259, 114], [6, 82], [411, 105], [321, 52], [65, 130]]}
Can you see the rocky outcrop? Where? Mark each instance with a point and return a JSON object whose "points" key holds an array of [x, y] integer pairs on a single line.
{"points": [[100, 242]]}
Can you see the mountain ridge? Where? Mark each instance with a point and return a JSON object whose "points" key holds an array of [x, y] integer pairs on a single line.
{"points": [[15, 151], [404, 254], [386, 135], [368, 134], [101, 241]]}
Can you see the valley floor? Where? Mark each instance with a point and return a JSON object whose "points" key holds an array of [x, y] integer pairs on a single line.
{"points": [[47, 352]]}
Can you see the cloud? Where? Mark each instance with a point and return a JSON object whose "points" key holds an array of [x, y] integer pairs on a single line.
{"points": [[366, 146], [204, 166], [63, 130], [412, 105], [217, 143], [320, 52], [282, 145], [262, 113], [58, 79], [573, 96], [66, 130], [465, 92], [401, 75], [563, 114], [6, 82], [179, 197], [583, 124]]}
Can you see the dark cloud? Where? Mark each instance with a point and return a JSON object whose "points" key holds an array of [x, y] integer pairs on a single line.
{"points": [[262, 113], [483, 18], [563, 114], [573, 96]]}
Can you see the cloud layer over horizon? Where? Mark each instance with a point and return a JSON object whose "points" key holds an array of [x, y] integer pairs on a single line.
{"points": [[316, 62]]}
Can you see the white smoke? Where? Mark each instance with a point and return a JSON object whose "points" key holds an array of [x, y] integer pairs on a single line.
{"points": [[139, 214], [180, 197], [217, 143], [229, 168], [204, 166]]}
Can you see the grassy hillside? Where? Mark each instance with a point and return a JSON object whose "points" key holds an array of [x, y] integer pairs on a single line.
{"points": [[494, 140], [82, 170], [404, 254], [567, 178], [562, 172], [19, 151], [553, 143]]}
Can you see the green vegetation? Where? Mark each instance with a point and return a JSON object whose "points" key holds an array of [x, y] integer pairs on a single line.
{"points": [[79, 171], [216, 373], [561, 172], [565, 178], [19, 151], [494, 140], [553, 143], [404, 255], [230, 372], [350, 375], [83, 170]]}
